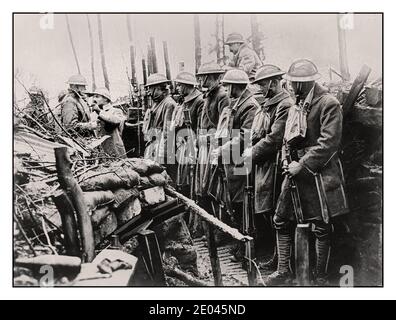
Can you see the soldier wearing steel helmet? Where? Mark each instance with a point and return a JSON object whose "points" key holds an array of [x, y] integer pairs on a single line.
{"points": [[75, 112], [215, 100], [244, 58], [110, 121], [184, 125], [157, 120], [266, 137], [310, 158], [233, 135]]}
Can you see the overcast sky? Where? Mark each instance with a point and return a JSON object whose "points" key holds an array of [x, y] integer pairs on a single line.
{"points": [[45, 58]]}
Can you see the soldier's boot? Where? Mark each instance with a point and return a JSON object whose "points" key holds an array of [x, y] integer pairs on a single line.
{"points": [[272, 263], [283, 275], [322, 248]]}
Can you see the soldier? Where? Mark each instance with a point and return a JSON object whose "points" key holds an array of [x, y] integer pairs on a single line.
{"points": [[75, 113], [36, 109], [267, 136], [235, 122], [310, 158], [185, 117], [215, 100], [110, 121], [157, 120], [245, 58]]}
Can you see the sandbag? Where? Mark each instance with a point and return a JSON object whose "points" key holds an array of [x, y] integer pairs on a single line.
{"points": [[109, 179], [144, 167], [95, 199], [154, 180], [132, 209], [99, 215], [123, 195]]}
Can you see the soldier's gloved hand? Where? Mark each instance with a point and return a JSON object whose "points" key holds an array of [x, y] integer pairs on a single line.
{"points": [[294, 168]]}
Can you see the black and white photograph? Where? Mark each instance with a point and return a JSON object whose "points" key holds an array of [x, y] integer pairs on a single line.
{"points": [[197, 149]]}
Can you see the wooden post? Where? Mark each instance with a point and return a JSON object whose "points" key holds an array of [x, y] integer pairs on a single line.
{"points": [[69, 225], [197, 40], [102, 53], [357, 86], [72, 44], [342, 49], [214, 258], [151, 254], [153, 55], [302, 254], [74, 192], [91, 47], [131, 50]]}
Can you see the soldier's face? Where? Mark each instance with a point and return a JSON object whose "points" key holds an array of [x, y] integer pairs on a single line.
{"points": [[99, 100], [234, 47], [156, 92], [231, 90], [209, 81], [183, 89], [265, 86], [302, 88]]}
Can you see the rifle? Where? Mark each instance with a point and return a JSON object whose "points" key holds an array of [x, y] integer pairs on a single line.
{"points": [[191, 167], [302, 231], [248, 228]]}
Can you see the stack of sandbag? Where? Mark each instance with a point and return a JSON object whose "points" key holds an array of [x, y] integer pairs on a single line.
{"points": [[117, 191]]}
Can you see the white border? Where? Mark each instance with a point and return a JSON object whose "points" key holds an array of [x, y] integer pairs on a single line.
{"points": [[7, 7]]}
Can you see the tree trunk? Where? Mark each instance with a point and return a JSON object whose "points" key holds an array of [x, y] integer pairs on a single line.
{"points": [[76, 195], [91, 45], [342, 50], [153, 55], [197, 40], [102, 53], [131, 50], [72, 43]]}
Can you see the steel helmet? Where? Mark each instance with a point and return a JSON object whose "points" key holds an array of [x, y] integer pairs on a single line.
{"points": [[156, 78], [77, 79], [210, 68], [235, 76], [302, 70], [267, 71], [104, 92], [234, 38], [186, 78]]}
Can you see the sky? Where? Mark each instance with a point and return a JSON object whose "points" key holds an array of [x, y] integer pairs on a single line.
{"points": [[43, 56]]}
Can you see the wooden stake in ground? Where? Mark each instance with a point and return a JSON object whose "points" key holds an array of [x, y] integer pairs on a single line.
{"points": [[69, 225], [74, 192], [92, 58], [102, 53], [72, 43], [214, 257], [197, 40]]}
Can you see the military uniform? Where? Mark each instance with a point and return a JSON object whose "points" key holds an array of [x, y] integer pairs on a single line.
{"points": [[247, 60], [186, 145], [267, 137], [74, 110], [214, 102], [111, 122]]}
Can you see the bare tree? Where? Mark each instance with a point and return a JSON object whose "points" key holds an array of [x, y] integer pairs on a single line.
{"points": [[92, 54], [102, 53], [72, 43]]}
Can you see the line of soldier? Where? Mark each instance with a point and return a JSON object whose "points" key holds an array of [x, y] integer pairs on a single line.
{"points": [[287, 137], [292, 137]]}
